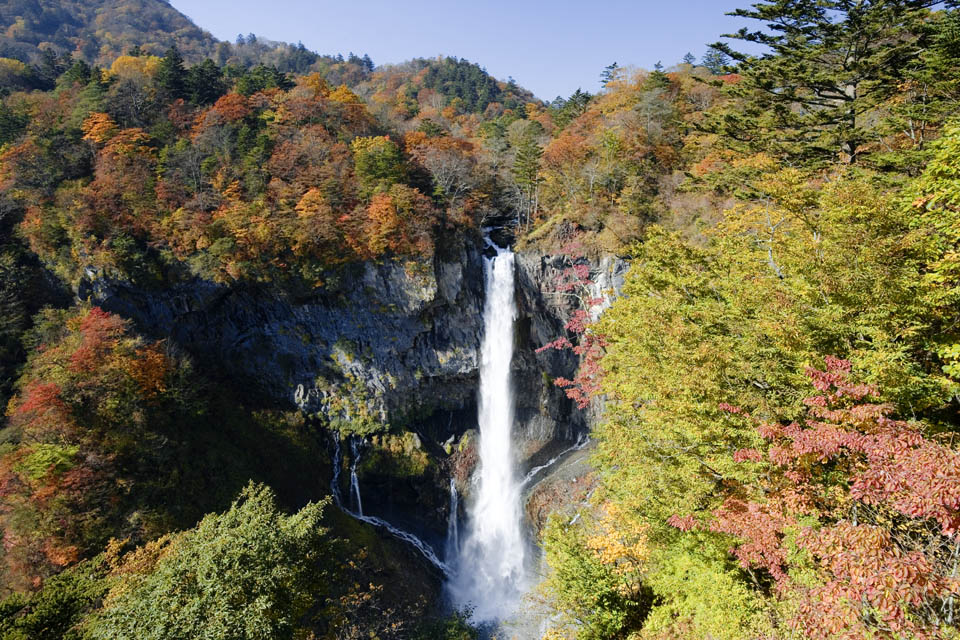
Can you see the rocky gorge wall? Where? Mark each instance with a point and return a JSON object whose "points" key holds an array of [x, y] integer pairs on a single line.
{"points": [[395, 353]]}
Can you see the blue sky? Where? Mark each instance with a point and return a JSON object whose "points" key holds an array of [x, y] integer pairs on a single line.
{"points": [[551, 48]]}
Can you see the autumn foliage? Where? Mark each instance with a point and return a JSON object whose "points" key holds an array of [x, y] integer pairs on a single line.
{"points": [[874, 555]]}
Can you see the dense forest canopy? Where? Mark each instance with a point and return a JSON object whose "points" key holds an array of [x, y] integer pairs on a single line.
{"points": [[779, 382]]}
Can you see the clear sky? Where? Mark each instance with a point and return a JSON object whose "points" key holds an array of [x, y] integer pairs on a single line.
{"points": [[551, 48]]}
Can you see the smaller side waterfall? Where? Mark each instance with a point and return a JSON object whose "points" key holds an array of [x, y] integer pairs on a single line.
{"points": [[355, 449], [425, 550], [453, 529], [335, 480], [582, 441]]}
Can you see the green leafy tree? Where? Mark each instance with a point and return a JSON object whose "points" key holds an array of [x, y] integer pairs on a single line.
{"points": [[247, 574], [378, 163]]}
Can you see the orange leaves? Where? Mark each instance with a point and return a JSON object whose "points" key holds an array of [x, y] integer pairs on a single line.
{"points": [[232, 107], [399, 222], [568, 149], [100, 332], [61, 555], [383, 225], [99, 128], [151, 369]]}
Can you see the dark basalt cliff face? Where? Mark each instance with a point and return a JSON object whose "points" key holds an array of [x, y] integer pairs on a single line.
{"points": [[397, 351]]}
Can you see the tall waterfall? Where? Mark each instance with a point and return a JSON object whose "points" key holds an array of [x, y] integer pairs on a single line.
{"points": [[491, 576]]}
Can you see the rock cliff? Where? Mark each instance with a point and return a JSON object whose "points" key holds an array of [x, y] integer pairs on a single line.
{"points": [[395, 351]]}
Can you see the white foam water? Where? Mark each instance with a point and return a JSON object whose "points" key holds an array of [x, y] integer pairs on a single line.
{"points": [[453, 525], [491, 575], [354, 482]]}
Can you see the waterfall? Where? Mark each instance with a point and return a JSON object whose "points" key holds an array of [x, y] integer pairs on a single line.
{"points": [[453, 529], [354, 482], [406, 536], [581, 442], [335, 480], [491, 576]]}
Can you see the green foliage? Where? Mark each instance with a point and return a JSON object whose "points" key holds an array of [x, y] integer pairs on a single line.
{"points": [[466, 82], [833, 64], [249, 573], [171, 76], [596, 599], [453, 627], [262, 77], [58, 609], [567, 110], [205, 83], [11, 124], [842, 266], [378, 162]]}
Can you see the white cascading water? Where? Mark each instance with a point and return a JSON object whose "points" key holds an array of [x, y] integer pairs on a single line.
{"points": [[406, 536], [354, 481], [453, 527], [491, 575]]}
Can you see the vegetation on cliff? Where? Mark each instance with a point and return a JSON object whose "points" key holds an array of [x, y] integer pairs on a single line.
{"points": [[777, 456]]}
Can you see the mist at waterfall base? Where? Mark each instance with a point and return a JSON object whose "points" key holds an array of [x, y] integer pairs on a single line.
{"points": [[489, 572]]}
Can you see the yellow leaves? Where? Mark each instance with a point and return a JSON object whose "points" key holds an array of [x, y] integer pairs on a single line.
{"points": [[312, 203], [126, 67], [316, 83], [12, 72], [344, 94], [618, 541]]}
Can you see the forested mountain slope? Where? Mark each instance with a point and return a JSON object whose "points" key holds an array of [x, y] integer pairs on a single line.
{"points": [[98, 30], [778, 386]]}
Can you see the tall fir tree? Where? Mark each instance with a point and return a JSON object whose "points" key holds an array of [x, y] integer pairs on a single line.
{"points": [[829, 65]]}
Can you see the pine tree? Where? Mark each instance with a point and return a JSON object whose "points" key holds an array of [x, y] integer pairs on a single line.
{"points": [[609, 74], [831, 62], [715, 61], [171, 76], [526, 176]]}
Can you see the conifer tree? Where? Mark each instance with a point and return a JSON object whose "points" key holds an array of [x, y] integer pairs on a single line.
{"points": [[171, 75], [830, 64]]}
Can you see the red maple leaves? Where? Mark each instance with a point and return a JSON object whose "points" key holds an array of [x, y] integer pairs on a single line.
{"points": [[871, 504]]}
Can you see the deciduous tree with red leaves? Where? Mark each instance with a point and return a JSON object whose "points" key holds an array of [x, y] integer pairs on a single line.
{"points": [[853, 519]]}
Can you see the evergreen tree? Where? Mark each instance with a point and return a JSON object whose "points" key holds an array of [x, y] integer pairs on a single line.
{"points": [[205, 83], [657, 78], [830, 63], [609, 74], [526, 177], [715, 61], [171, 75]]}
